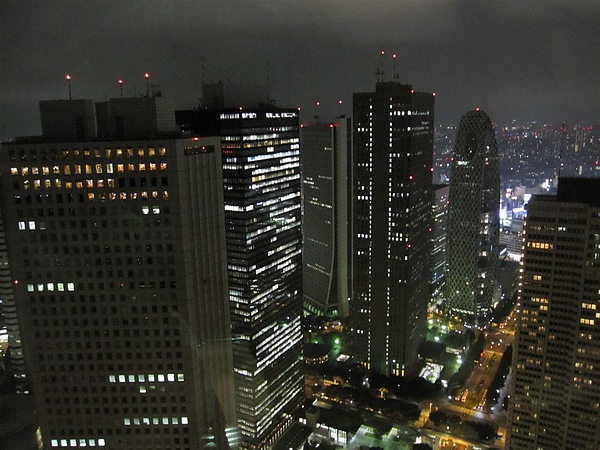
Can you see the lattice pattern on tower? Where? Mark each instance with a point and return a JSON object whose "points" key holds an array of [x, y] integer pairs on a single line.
{"points": [[473, 228]]}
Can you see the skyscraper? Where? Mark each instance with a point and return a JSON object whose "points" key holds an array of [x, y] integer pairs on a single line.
{"points": [[555, 384], [261, 177], [440, 236], [326, 155], [118, 263], [9, 322], [473, 227], [392, 207]]}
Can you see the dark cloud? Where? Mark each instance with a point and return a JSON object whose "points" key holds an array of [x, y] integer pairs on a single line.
{"points": [[525, 59]]}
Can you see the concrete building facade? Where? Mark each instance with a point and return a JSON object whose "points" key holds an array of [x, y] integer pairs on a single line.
{"points": [[118, 263], [326, 187], [555, 383]]}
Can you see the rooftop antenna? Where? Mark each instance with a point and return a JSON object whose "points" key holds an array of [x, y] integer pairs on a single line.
{"points": [[563, 144], [120, 81], [200, 99], [396, 75], [147, 77], [268, 78], [68, 78], [379, 71], [340, 103]]}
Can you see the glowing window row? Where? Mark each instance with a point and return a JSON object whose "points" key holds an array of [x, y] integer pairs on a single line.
{"points": [[78, 442], [78, 184], [151, 378], [88, 169], [150, 210], [31, 225], [51, 287], [96, 153], [156, 421], [541, 245], [103, 196], [113, 196]]}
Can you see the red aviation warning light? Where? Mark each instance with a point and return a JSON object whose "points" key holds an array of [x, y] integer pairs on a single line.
{"points": [[120, 81]]}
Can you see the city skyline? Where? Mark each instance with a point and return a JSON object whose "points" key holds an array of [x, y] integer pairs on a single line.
{"points": [[522, 71], [118, 125], [162, 206]]}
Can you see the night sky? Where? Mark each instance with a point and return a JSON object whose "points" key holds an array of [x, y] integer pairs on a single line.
{"points": [[522, 59]]}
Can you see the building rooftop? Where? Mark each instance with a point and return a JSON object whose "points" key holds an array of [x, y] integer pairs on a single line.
{"points": [[579, 190], [574, 190]]}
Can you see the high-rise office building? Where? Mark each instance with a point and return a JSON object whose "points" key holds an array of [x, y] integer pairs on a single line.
{"points": [[261, 177], [118, 263], [441, 205], [555, 383], [473, 227], [326, 155], [391, 223], [9, 323]]}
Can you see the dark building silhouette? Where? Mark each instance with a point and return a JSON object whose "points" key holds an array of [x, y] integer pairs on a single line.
{"points": [[118, 264], [18, 423], [326, 188], [12, 348], [555, 382], [473, 226], [391, 222], [261, 178]]}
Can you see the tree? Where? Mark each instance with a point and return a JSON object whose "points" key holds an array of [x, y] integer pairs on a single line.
{"points": [[438, 417]]}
